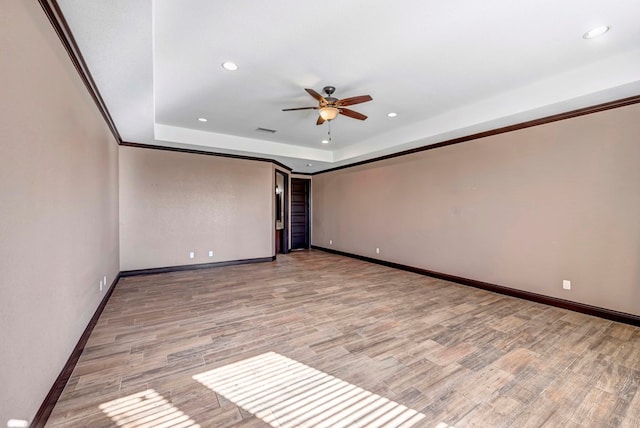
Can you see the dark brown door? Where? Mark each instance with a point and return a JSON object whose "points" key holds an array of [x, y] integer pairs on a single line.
{"points": [[299, 213]]}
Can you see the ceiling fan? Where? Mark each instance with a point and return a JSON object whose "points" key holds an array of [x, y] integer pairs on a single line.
{"points": [[330, 107]]}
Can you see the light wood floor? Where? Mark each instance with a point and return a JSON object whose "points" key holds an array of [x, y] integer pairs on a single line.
{"points": [[455, 355]]}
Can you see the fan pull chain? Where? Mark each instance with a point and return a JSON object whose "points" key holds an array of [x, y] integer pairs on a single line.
{"points": [[329, 133]]}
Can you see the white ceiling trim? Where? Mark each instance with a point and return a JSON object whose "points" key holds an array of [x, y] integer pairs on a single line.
{"points": [[212, 140]]}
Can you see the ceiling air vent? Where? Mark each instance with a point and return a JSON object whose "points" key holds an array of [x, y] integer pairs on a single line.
{"points": [[267, 130]]}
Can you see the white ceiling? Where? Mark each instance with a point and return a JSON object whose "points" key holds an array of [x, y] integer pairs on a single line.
{"points": [[448, 68]]}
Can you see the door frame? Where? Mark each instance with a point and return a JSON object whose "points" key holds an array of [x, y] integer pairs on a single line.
{"points": [[284, 234]]}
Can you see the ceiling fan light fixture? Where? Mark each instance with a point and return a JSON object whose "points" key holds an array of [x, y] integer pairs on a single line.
{"points": [[329, 113]]}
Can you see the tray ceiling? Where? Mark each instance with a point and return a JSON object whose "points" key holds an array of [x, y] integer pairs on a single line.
{"points": [[448, 69]]}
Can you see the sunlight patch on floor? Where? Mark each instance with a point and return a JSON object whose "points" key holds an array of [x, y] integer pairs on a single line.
{"points": [[286, 393], [146, 409]]}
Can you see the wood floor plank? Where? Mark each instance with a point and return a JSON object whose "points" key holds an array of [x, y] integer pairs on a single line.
{"points": [[453, 355]]}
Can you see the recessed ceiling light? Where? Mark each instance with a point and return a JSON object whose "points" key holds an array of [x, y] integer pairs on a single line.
{"points": [[309, 164], [325, 141], [392, 114], [231, 66], [595, 32], [202, 119]]}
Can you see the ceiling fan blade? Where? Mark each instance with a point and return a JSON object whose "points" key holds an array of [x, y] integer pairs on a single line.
{"points": [[316, 95], [300, 108], [353, 114], [320, 120], [354, 100]]}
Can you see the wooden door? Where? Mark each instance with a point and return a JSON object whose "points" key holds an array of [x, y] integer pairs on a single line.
{"points": [[299, 213]]}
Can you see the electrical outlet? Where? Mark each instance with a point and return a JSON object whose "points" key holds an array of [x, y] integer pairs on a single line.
{"points": [[330, 241], [192, 255], [566, 284], [210, 253], [104, 280], [377, 250], [100, 285]]}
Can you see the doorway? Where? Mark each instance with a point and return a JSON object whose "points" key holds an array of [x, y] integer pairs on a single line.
{"points": [[300, 213], [281, 213]]}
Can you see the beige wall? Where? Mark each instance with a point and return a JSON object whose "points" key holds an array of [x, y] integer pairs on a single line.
{"points": [[58, 208], [525, 209], [173, 203]]}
